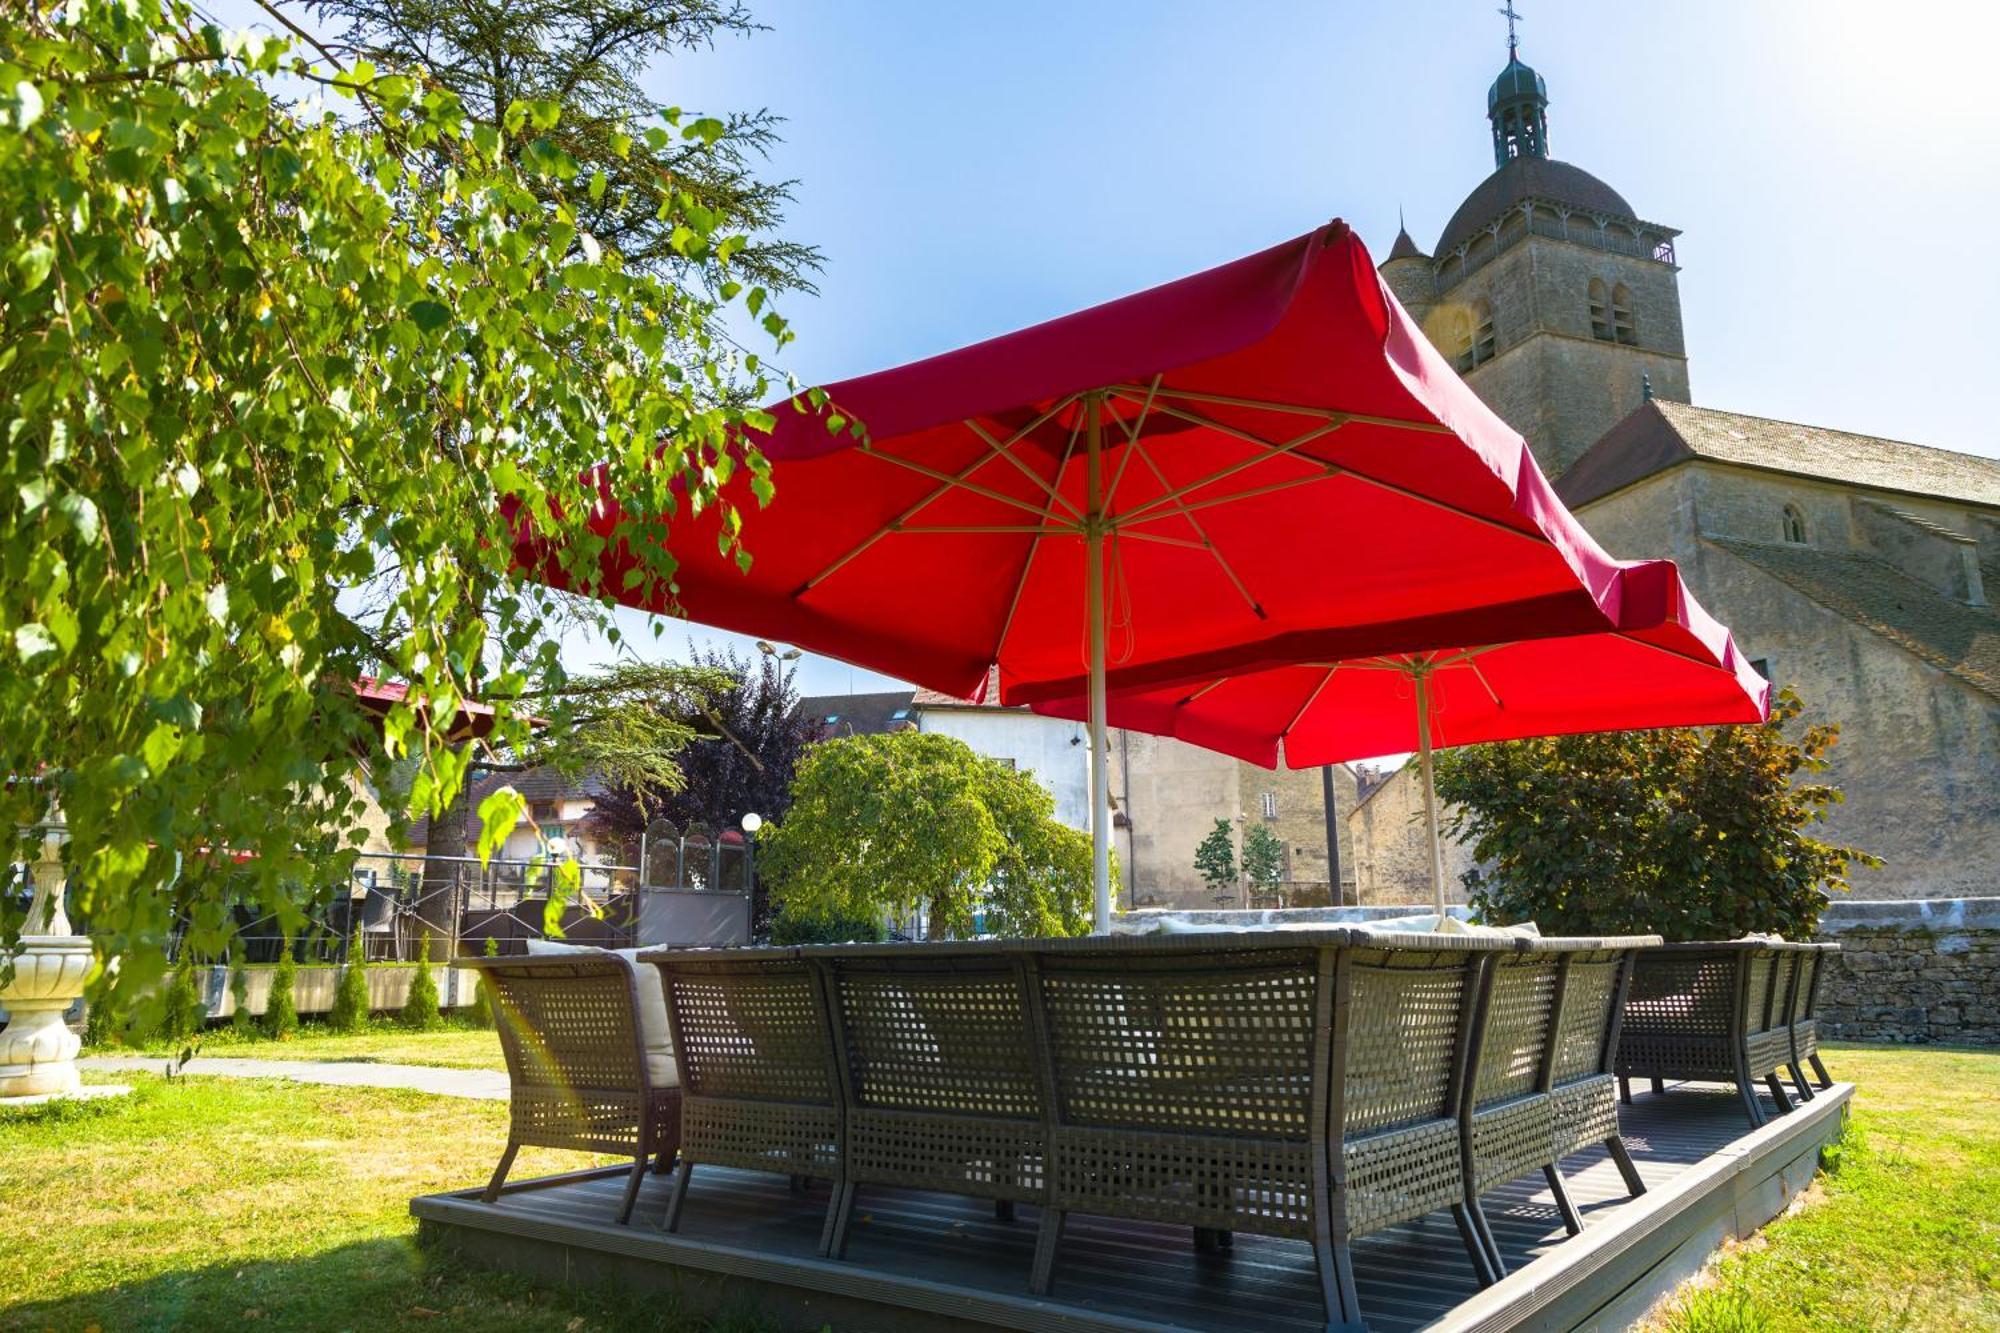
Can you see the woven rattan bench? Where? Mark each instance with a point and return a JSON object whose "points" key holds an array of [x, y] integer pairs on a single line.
{"points": [[1541, 1086], [579, 1073], [760, 1087], [1803, 1013], [1309, 1084], [1722, 1012]]}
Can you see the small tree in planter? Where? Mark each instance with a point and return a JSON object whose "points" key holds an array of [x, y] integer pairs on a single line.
{"points": [[281, 1010], [1691, 833], [350, 997], [1263, 858], [420, 1010], [1215, 860]]}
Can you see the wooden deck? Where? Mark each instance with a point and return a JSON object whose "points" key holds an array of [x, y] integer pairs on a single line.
{"points": [[920, 1261]]}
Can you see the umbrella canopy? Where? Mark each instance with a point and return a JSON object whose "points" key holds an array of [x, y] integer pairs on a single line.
{"points": [[1682, 670], [1263, 464]]}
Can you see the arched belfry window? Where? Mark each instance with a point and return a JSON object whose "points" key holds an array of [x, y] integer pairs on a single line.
{"points": [[1623, 328], [1795, 525], [1458, 338], [1482, 332], [1600, 310]]}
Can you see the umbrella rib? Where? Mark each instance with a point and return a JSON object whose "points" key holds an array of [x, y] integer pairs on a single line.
{"points": [[1295, 409], [975, 529], [1161, 539], [1028, 561], [1271, 453], [1206, 541], [1390, 486], [1252, 493], [920, 505], [1004, 450], [925, 470], [1131, 438], [1311, 699]]}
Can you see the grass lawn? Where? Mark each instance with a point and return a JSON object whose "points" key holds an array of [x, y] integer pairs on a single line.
{"points": [[211, 1203], [1902, 1231], [229, 1203], [453, 1047]]}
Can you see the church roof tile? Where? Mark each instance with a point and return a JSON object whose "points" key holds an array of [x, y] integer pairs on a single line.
{"points": [[1961, 640], [1659, 434]]}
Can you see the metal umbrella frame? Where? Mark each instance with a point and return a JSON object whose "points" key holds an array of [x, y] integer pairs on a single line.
{"points": [[1187, 444]]}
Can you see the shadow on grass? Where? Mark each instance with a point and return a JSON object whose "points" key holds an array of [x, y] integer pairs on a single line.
{"points": [[391, 1283]]}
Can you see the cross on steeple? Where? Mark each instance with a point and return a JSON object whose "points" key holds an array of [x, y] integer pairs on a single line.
{"points": [[1507, 10]]}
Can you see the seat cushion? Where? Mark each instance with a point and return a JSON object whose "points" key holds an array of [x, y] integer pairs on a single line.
{"points": [[654, 1033]]}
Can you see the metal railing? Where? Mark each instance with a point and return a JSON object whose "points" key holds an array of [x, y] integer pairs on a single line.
{"points": [[396, 905]]}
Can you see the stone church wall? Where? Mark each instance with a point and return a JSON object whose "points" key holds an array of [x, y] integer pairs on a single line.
{"points": [[1918, 751], [1924, 971]]}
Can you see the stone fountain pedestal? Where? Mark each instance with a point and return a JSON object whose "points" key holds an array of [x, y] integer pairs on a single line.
{"points": [[37, 1049]]}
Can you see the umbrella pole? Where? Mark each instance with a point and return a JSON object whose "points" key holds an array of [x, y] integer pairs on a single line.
{"points": [[1093, 585], [1430, 790]]}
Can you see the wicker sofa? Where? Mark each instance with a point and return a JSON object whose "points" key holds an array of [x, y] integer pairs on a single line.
{"points": [[1729, 1011], [582, 1073], [1310, 1084]]}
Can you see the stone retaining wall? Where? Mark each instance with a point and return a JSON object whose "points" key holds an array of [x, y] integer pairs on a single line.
{"points": [[1909, 970], [1923, 970]]}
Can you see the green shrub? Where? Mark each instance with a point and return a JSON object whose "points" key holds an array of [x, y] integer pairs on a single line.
{"points": [[185, 1014], [1691, 833], [480, 1012], [883, 825], [350, 997], [281, 1011], [798, 926], [240, 1018], [104, 1019], [420, 1010]]}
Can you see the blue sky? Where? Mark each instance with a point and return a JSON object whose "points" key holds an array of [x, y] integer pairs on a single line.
{"points": [[1835, 169], [969, 168]]}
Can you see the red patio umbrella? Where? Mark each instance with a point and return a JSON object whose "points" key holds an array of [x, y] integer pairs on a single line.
{"points": [[1683, 669], [1262, 464]]}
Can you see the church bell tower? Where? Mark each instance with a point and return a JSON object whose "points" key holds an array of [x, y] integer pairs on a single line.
{"points": [[1555, 301]]}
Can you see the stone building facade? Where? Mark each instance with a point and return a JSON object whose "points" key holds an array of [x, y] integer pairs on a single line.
{"points": [[1165, 797], [1859, 571]]}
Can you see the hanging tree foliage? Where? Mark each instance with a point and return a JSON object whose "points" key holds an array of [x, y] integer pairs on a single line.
{"points": [[268, 370], [1691, 833], [883, 824]]}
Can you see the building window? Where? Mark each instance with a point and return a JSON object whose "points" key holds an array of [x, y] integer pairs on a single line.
{"points": [[1473, 335], [1762, 666], [1623, 328], [1600, 311], [1270, 805], [1795, 525]]}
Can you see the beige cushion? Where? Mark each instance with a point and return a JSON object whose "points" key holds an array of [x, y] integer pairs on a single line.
{"points": [[654, 1033]]}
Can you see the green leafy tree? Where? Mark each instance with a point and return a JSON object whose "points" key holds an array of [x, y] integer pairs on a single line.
{"points": [[1690, 833], [1215, 859], [592, 55], [882, 824], [277, 380], [1263, 857], [281, 1009], [350, 996], [420, 1009]]}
